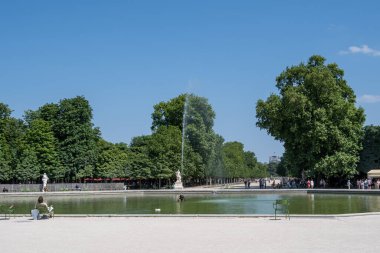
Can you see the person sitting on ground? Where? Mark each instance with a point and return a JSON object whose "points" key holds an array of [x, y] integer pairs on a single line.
{"points": [[45, 211]]}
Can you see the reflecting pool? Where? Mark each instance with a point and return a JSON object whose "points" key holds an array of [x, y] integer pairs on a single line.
{"points": [[255, 203]]}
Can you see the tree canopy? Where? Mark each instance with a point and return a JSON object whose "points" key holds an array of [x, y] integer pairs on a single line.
{"points": [[60, 139], [315, 117], [370, 155]]}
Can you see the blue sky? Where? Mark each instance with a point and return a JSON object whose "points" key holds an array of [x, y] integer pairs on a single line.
{"points": [[126, 56]]}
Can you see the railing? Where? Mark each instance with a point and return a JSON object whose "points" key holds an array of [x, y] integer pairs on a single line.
{"points": [[62, 187]]}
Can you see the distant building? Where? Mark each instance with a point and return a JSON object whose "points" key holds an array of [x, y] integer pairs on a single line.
{"points": [[274, 159]]}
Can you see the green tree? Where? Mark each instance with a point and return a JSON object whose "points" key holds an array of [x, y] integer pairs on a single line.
{"points": [[5, 111], [165, 151], [215, 167], [261, 170], [169, 113], [140, 165], [159, 154], [11, 134], [40, 138], [254, 168], [112, 161], [5, 161], [272, 168], [28, 167], [73, 130], [282, 168], [76, 135], [5, 152], [234, 160], [315, 117], [200, 139], [370, 155]]}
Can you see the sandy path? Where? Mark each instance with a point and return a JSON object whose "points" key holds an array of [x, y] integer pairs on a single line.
{"points": [[190, 234]]}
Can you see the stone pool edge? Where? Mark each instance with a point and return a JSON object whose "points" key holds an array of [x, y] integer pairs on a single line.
{"points": [[193, 191]]}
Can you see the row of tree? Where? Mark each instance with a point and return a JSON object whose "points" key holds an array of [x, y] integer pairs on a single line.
{"points": [[314, 115], [59, 139]]}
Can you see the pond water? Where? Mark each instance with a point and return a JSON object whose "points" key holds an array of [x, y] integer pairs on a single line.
{"points": [[300, 203]]}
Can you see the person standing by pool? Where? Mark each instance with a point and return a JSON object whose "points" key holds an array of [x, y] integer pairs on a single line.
{"points": [[349, 184], [366, 184], [44, 182]]}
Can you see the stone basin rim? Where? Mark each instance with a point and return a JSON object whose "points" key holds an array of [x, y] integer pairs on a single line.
{"points": [[258, 216], [194, 191]]}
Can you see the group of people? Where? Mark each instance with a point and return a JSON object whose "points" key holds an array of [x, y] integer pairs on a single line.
{"points": [[301, 183], [263, 183], [367, 183], [247, 183], [310, 183]]}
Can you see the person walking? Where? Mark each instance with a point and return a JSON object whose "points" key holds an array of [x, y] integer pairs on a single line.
{"points": [[348, 184]]}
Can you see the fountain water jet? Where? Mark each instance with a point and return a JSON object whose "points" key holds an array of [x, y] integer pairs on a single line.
{"points": [[178, 184]]}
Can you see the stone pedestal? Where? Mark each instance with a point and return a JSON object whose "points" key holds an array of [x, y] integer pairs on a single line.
{"points": [[178, 185]]}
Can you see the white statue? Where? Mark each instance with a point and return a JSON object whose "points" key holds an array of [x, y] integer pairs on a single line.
{"points": [[44, 182], [178, 184], [178, 175]]}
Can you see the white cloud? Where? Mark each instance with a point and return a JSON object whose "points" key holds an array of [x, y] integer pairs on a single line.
{"points": [[361, 50], [369, 99]]}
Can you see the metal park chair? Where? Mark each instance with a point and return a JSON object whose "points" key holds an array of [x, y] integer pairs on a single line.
{"points": [[7, 210], [281, 205]]}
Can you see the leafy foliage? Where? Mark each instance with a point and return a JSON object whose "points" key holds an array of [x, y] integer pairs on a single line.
{"points": [[315, 117], [59, 139], [370, 155]]}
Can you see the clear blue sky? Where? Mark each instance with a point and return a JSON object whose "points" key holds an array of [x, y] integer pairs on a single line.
{"points": [[126, 56]]}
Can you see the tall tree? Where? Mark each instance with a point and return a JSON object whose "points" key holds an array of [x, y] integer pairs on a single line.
{"points": [[112, 161], [370, 155], [5, 160], [315, 117], [200, 139], [140, 165], [165, 151], [215, 167], [11, 134], [234, 159], [71, 123], [28, 167], [76, 135], [169, 113], [254, 168], [40, 138]]}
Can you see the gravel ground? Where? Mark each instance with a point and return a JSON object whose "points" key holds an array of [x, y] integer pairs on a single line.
{"points": [[190, 234]]}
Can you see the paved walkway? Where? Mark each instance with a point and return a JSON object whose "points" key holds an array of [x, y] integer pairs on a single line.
{"points": [[190, 234]]}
